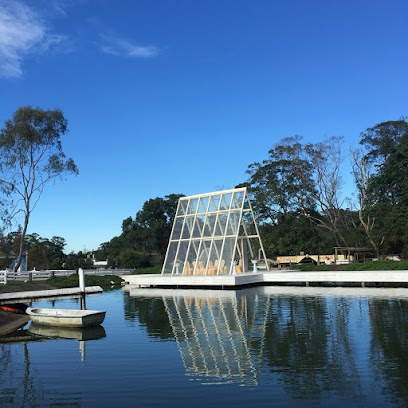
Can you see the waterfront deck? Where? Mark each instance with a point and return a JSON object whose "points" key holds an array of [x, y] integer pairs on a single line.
{"points": [[286, 277], [44, 294]]}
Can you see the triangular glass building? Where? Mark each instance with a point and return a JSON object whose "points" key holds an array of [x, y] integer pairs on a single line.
{"points": [[214, 234]]}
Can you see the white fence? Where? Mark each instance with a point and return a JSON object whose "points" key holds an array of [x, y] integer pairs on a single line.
{"points": [[29, 276]]}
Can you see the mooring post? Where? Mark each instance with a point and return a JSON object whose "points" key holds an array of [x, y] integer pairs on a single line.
{"points": [[81, 276], [81, 280]]}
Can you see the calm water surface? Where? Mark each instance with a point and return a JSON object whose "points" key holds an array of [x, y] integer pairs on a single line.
{"points": [[284, 347]]}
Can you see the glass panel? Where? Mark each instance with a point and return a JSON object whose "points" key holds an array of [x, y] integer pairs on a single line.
{"points": [[237, 199], [209, 225], [188, 227], [246, 202], [202, 205], [192, 206], [216, 200], [215, 254], [221, 224], [182, 208], [227, 257], [198, 226], [254, 248], [213, 204], [249, 222], [171, 256], [178, 224], [242, 229], [203, 257], [192, 256], [225, 201], [233, 223], [181, 256]]}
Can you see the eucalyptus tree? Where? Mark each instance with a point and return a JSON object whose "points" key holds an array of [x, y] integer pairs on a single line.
{"points": [[31, 157], [302, 178]]}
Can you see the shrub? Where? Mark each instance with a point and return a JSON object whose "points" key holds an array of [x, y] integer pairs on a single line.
{"points": [[153, 269], [72, 281]]}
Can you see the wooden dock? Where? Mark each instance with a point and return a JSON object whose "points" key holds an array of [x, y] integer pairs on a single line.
{"points": [[264, 278], [44, 294]]}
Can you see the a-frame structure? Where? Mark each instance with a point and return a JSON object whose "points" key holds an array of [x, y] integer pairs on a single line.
{"points": [[214, 234]]}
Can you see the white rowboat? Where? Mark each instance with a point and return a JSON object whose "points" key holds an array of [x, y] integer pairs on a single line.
{"points": [[66, 317]]}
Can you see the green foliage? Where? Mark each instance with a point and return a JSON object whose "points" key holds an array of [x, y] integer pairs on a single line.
{"points": [[151, 270], [72, 281], [293, 233], [144, 240], [30, 157], [43, 253], [277, 182], [386, 201], [132, 259], [376, 266], [302, 179]]}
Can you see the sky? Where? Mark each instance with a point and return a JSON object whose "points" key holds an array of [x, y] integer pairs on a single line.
{"points": [[181, 96]]}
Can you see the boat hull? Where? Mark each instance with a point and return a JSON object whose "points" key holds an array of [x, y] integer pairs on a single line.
{"points": [[66, 317]]}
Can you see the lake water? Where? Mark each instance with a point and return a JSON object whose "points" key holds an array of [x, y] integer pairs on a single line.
{"points": [[267, 346]]}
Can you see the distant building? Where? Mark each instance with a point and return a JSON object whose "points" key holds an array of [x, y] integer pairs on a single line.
{"points": [[342, 255], [100, 264]]}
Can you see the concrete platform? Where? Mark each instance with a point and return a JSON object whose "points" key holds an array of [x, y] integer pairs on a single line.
{"points": [[40, 294], [231, 294], [396, 278]]}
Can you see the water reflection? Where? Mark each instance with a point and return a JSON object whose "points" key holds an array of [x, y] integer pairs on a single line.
{"points": [[38, 333], [389, 346], [316, 342]]}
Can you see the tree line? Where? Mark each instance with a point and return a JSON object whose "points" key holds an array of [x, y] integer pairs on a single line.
{"points": [[297, 193], [298, 196], [41, 253]]}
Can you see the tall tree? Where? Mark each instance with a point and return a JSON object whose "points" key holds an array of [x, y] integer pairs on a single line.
{"points": [[382, 181], [31, 157], [387, 149], [302, 178]]}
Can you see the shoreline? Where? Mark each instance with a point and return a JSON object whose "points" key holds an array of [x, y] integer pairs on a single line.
{"points": [[11, 321]]}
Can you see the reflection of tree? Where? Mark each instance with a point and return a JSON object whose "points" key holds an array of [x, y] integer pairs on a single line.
{"points": [[309, 344], [307, 349], [389, 345], [19, 386], [150, 313]]}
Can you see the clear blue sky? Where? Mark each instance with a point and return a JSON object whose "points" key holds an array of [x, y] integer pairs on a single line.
{"points": [[181, 96]]}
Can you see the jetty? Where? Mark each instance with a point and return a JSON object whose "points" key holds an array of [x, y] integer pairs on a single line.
{"points": [[44, 294], [267, 278]]}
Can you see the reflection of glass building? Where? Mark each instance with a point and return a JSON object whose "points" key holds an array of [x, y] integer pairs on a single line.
{"points": [[214, 234], [215, 335]]}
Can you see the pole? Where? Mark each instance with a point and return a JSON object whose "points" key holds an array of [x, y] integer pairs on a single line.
{"points": [[81, 276], [81, 280]]}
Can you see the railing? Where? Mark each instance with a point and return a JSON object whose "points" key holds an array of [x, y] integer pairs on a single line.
{"points": [[29, 276], [3, 277]]}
